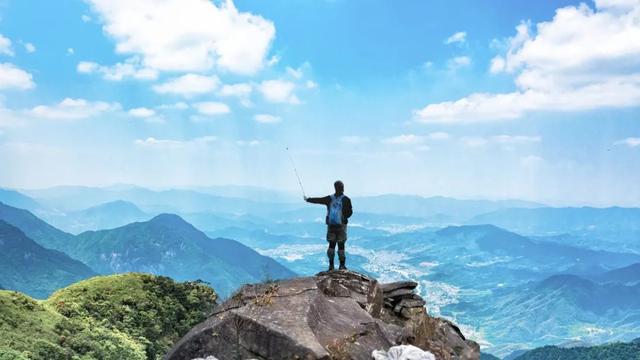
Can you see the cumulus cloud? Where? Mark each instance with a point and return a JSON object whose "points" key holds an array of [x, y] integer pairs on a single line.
{"points": [[439, 135], [631, 142], [152, 142], [278, 91], [248, 142], [509, 140], [29, 47], [131, 68], [241, 90], [267, 119], [458, 62], [73, 109], [141, 112], [212, 108], [188, 85], [12, 77], [458, 37], [176, 106], [408, 139], [187, 35], [5, 46], [354, 139], [558, 68]]}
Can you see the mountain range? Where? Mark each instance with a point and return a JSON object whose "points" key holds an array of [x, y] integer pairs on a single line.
{"points": [[30, 268], [165, 245]]}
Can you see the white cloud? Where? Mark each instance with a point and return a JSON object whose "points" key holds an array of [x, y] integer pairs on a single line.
{"points": [[30, 48], [131, 68], [354, 139], [73, 109], [558, 67], [508, 140], [12, 77], [267, 119], [152, 142], [188, 85], [187, 35], [70, 51], [439, 135], [141, 112], [8, 117], [176, 106], [273, 60], [497, 65], [85, 18], [458, 62], [409, 139], [516, 139], [474, 141], [248, 142], [295, 73], [630, 142], [241, 90], [311, 84], [5, 46], [212, 108], [278, 91], [458, 37], [531, 161]]}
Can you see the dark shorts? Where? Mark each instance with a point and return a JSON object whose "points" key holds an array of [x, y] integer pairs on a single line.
{"points": [[337, 233]]}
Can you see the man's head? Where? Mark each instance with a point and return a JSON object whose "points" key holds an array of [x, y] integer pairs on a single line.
{"points": [[339, 186]]}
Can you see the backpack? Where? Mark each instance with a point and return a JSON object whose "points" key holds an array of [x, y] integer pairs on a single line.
{"points": [[335, 210]]}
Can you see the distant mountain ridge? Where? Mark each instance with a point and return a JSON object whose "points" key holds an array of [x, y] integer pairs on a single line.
{"points": [[17, 199], [612, 351], [410, 205], [165, 245], [35, 228], [103, 216], [30, 268], [562, 220], [168, 245]]}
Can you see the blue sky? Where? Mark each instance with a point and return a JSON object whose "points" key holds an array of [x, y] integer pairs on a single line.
{"points": [[495, 99]]}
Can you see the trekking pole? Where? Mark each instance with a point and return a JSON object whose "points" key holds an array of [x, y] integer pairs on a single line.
{"points": [[293, 165]]}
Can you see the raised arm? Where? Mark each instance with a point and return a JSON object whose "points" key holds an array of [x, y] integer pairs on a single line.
{"points": [[319, 200]]}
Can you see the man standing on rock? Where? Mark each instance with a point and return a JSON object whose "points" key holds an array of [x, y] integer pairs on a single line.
{"points": [[338, 212]]}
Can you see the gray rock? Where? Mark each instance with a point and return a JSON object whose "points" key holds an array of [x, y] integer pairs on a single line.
{"points": [[336, 314], [398, 293], [388, 287]]}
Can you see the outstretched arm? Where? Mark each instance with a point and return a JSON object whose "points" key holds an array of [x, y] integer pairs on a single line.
{"points": [[319, 200]]}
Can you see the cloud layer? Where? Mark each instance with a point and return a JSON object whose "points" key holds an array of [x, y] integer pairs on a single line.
{"points": [[187, 35], [558, 68]]}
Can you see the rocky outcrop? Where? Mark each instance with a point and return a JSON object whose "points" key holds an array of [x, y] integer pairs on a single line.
{"points": [[333, 315]]}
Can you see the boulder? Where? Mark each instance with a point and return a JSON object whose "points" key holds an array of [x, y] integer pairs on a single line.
{"points": [[389, 287], [333, 315]]}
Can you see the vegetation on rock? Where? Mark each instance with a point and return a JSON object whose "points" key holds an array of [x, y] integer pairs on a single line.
{"points": [[126, 316]]}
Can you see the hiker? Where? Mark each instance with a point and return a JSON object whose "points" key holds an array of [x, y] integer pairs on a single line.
{"points": [[338, 212]]}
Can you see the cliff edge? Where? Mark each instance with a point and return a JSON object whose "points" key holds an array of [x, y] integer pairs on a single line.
{"points": [[333, 315]]}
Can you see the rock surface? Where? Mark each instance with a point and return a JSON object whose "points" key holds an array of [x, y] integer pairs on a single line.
{"points": [[333, 315]]}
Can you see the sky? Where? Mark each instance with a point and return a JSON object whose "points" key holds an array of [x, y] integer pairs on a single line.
{"points": [[500, 99]]}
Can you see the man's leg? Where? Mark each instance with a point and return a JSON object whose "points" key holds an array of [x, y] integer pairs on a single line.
{"points": [[341, 238], [331, 253], [342, 256]]}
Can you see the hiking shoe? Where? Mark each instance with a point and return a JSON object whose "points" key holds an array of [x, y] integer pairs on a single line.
{"points": [[342, 267]]}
